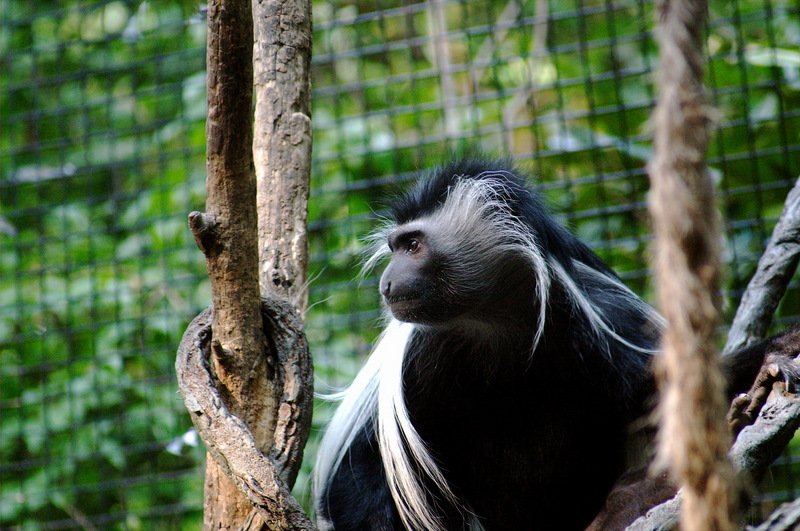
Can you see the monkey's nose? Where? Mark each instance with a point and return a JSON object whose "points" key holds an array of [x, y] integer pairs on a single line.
{"points": [[386, 289]]}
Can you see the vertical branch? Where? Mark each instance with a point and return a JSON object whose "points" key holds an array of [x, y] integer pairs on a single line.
{"points": [[226, 234], [282, 154], [775, 269], [693, 437], [282, 145], [441, 54]]}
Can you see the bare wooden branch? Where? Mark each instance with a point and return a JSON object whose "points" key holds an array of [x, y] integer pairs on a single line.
{"points": [[282, 146], [249, 390], [282, 155], [784, 518], [265, 480], [775, 269], [227, 236], [759, 444], [755, 449], [227, 232], [662, 517], [204, 230]]}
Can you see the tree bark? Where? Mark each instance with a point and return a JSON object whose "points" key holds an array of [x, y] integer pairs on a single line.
{"points": [[282, 154], [264, 479], [753, 452], [251, 401], [226, 234], [775, 269], [282, 145]]}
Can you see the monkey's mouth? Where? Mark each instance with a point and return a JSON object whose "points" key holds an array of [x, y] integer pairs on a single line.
{"points": [[403, 306], [394, 299]]}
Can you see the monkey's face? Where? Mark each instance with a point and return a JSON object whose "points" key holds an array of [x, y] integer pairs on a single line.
{"points": [[427, 281], [462, 263], [406, 282]]}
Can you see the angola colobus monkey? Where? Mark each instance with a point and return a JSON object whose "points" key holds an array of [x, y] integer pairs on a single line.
{"points": [[500, 394]]}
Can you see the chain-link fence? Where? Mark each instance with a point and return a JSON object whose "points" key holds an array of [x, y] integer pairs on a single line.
{"points": [[102, 157]]}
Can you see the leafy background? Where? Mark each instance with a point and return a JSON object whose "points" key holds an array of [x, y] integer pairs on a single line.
{"points": [[102, 156]]}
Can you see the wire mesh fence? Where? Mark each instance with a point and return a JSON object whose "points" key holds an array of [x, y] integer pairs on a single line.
{"points": [[102, 157]]}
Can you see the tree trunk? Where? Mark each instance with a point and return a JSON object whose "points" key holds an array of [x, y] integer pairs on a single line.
{"points": [[282, 145], [243, 370], [264, 478], [227, 235]]}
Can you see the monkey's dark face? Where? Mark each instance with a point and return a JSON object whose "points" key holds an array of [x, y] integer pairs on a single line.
{"points": [[411, 284], [462, 263], [426, 282], [406, 282]]}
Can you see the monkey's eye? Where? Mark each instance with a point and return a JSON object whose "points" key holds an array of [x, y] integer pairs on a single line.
{"points": [[413, 246]]}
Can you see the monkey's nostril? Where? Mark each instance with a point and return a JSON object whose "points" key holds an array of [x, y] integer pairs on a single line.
{"points": [[388, 289]]}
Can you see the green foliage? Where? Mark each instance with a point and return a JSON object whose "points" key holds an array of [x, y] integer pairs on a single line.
{"points": [[101, 164], [102, 153]]}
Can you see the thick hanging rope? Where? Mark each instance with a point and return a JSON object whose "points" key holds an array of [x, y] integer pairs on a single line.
{"points": [[694, 439]]}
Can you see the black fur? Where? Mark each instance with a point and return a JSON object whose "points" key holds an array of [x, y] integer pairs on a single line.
{"points": [[527, 439]]}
